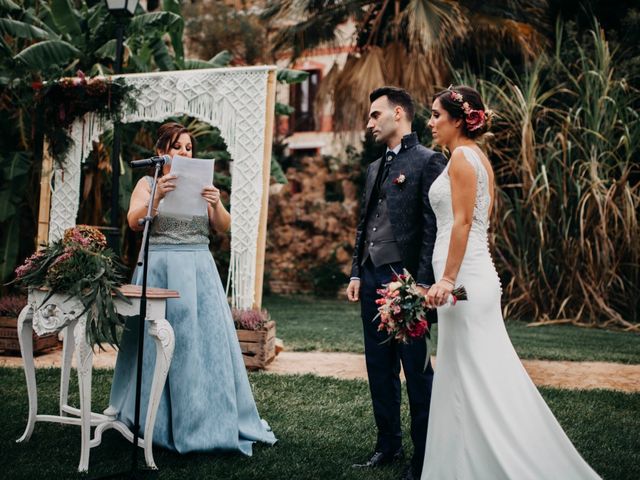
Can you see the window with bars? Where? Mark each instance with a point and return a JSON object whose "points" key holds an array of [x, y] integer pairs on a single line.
{"points": [[302, 99]]}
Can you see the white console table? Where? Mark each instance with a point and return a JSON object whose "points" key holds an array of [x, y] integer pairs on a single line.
{"points": [[59, 312]]}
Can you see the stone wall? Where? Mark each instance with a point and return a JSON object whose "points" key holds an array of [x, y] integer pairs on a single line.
{"points": [[312, 223]]}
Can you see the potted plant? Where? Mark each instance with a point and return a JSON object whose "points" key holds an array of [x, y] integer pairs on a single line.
{"points": [[10, 308], [257, 336]]}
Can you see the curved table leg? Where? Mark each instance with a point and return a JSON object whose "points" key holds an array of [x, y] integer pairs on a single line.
{"points": [[84, 357], [25, 336], [162, 333], [67, 354]]}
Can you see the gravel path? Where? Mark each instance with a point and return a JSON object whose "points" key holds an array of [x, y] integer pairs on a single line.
{"points": [[570, 375]]}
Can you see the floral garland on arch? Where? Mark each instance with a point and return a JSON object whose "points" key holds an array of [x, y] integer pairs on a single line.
{"points": [[81, 265], [63, 101]]}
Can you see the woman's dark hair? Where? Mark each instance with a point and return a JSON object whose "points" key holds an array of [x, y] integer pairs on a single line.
{"points": [[465, 103], [168, 134]]}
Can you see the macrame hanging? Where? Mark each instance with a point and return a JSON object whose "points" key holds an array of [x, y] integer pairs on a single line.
{"points": [[231, 99]]}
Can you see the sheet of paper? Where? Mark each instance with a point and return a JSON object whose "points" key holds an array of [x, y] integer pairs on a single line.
{"points": [[186, 200]]}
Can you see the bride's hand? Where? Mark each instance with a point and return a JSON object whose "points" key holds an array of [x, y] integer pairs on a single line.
{"points": [[439, 293]]}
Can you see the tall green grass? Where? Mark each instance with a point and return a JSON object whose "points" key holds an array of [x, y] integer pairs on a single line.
{"points": [[565, 149]]}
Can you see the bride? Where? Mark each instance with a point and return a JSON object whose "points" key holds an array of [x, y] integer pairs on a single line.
{"points": [[488, 421]]}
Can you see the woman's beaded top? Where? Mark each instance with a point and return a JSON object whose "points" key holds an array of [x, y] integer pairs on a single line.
{"points": [[177, 231]]}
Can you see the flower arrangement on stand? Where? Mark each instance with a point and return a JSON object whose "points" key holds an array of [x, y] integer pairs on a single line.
{"points": [[257, 336], [81, 265]]}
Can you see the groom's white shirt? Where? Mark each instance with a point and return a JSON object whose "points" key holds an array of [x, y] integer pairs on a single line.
{"points": [[395, 149]]}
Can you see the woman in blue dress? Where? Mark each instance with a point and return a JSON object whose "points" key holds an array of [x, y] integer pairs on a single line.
{"points": [[207, 403]]}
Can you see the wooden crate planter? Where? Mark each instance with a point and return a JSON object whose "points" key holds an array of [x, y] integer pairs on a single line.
{"points": [[9, 337], [258, 346]]}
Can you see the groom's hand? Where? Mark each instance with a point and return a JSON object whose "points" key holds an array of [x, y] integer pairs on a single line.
{"points": [[353, 291]]}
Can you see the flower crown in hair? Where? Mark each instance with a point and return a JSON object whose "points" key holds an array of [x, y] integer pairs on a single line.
{"points": [[474, 119]]}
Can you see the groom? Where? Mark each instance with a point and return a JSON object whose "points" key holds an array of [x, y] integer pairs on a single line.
{"points": [[397, 230]]}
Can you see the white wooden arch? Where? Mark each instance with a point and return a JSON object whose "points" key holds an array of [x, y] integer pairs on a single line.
{"points": [[238, 101]]}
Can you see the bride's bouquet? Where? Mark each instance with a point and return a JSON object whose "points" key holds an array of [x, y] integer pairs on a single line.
{"points": [[403, 308]]}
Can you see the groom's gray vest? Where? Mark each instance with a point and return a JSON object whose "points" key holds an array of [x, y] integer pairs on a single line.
{"points": [[409, 211], [379, 241]]}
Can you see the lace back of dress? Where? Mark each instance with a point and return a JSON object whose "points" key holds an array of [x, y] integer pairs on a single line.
{"points": [[483, 195]]}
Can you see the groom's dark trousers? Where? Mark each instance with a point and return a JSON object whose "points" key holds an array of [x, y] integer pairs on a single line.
{"points": [[383, 367], [396, 230]]}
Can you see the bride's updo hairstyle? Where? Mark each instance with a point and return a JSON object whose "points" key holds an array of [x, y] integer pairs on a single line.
{"points": [[465, 103]]}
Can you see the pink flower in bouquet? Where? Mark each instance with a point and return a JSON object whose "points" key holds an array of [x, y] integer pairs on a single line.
{"points": [[402, 308], [394, 285], [418, 329]]}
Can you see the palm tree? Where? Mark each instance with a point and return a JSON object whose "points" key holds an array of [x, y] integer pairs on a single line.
{"points": [[404, 42]]}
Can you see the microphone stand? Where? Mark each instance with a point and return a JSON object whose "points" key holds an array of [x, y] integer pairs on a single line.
{"points": [[143, 261]]}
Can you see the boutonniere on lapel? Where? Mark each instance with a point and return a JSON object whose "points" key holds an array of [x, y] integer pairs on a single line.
{"points": [[400, 179]]}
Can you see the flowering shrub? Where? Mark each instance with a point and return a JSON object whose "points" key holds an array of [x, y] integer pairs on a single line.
{"points": [[249, 319], [12, 305]]}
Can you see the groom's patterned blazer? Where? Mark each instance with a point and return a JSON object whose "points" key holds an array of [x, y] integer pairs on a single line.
{"points": [[412, 219]]}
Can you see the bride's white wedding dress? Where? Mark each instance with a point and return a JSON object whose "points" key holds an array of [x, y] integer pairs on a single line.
{"points": [[487, 419]]}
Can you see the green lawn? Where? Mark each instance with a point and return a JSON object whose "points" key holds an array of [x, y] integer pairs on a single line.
{"points": [[307, 323], [323, 426]]}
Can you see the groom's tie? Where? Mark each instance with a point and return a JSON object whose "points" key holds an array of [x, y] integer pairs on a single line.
{"points": [[389, 156]]}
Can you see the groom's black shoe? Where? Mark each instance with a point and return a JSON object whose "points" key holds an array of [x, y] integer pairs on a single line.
{"points": [[378, 459], [409, 474]]}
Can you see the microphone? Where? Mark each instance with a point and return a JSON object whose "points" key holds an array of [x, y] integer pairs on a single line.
{"points": [[150, 162]]}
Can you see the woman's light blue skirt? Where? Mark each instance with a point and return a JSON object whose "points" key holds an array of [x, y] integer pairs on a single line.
{"points": [[207, 403]]}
